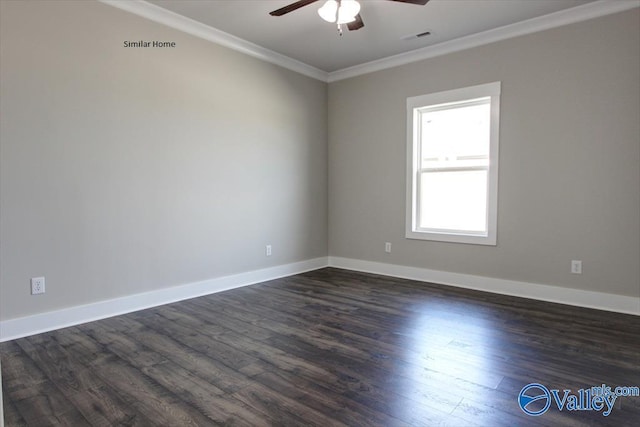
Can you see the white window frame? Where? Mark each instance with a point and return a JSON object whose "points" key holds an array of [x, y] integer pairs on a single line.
{"points": [[414, 105]]}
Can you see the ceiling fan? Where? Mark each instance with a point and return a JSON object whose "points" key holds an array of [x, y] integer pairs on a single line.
{"points": [[338, 11]]}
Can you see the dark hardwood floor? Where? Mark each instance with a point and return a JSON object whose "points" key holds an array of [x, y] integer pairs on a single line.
{"points": [[329, 348]]}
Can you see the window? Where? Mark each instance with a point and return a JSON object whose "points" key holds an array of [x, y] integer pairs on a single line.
{"points": [[452, 165]]}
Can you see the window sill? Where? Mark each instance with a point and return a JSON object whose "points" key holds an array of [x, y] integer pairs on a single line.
{"points": [[470, 239]]}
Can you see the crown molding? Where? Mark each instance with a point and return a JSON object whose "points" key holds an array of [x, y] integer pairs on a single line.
{"points": [[545, 22], [569, 16], [198, 29]]}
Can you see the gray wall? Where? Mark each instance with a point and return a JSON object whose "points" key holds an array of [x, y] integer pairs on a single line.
{"points": [[129, 170], [569, 151]]}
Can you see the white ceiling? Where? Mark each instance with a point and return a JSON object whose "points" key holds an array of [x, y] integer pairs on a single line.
{"points": [[304, 36]]}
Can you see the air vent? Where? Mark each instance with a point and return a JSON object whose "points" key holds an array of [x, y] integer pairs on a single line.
{"points": [[417, 36]]}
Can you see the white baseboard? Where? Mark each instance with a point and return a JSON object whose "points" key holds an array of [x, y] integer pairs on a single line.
{"points": [[581, 298], [49, 321], [44, 322]]}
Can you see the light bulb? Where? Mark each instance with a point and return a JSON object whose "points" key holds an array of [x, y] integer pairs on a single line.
{"points": [[329, 11], [348, 11]]}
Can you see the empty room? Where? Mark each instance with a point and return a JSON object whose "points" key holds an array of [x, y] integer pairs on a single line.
{"points": [[320, 213]]}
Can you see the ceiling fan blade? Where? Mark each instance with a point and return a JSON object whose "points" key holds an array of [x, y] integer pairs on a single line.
{"points": [[418, 2], [291, 7], [355, 25]]}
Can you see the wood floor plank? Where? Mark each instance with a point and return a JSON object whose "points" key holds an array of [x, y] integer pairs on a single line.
{"points": [[199, 342], [204, 396], [281, 409], [242, 325], [47, 403], [20, 375], [209, 369], [98, 403], [12, 413], [147, 396], [327, 347], [324, 398]]}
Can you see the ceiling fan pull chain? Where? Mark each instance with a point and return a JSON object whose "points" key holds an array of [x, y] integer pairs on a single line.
{"points": [[340, 30]]}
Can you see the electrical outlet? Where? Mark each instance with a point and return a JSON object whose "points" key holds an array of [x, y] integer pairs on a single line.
{"points": [[576, 266], [37, 285], [268, 250], [387, 247]]}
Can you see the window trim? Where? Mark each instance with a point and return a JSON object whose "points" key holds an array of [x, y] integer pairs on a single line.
{"points": [[491, 90]]}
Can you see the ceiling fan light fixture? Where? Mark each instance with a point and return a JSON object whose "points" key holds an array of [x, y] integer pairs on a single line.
{"points": [[342, 12]]}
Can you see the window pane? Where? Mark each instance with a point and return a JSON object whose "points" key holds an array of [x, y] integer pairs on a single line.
{"points": [[454, 201], [456, 136]]}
